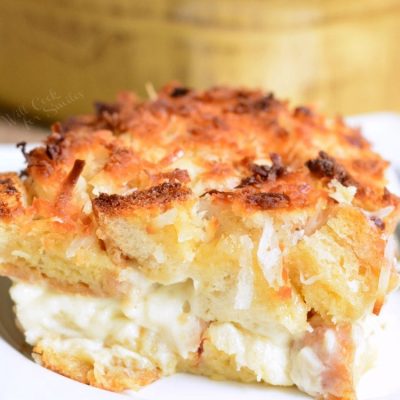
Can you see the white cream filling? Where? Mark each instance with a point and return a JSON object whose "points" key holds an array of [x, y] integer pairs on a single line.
{"points": [[45, 313], [306, 370], [267, 358], [106, 328]]}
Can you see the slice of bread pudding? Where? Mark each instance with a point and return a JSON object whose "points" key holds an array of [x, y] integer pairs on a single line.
{"points": [[220, 232]]}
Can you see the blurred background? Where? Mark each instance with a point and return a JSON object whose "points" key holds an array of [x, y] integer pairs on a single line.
{"points": [[57, 57]]}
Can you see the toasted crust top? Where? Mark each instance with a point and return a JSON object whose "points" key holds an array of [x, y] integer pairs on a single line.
{"points": [[12, 195], [235, 145], [159, 195]]}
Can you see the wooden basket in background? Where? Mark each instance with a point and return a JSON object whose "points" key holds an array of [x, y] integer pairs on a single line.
{"points": [[56, 57]]}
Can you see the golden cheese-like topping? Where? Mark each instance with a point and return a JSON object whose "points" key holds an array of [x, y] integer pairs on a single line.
{"points": [[237, 145], [159, 195]]}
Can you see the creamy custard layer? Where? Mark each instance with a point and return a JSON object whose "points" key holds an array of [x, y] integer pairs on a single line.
{"points": [[158, 329]]}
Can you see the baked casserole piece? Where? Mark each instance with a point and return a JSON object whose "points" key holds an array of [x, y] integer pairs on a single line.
{"points": [[218, 232]]}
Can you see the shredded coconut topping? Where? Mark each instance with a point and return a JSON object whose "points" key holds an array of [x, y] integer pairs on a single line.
{"points": [[342, 194], [78, 243], [269, 255], [244, 294], [310, 280]]}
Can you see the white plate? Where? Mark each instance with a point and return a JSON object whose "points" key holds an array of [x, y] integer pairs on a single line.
{"points": [[20, 378]]}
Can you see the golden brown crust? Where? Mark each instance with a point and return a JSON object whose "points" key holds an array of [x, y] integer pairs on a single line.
{"points": [[161, 196], [30, 275], [81, 369], [220, 130], [11, 196], [290, 191]]}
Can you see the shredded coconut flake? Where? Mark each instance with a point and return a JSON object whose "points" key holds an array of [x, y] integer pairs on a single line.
{"points": [[269, 255], [101, 189], [129, 191], [166, 218], [342, 194], [20, 254], [151, 92], [330, 341], [159, 255], [381, 213], [87, 207], [390, 261], [57, 219], [354, 285], [244, 294], [77, 244], [310, 280]]}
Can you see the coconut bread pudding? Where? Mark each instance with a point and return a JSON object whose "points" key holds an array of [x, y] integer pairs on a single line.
{"points": [[219, 232]]}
